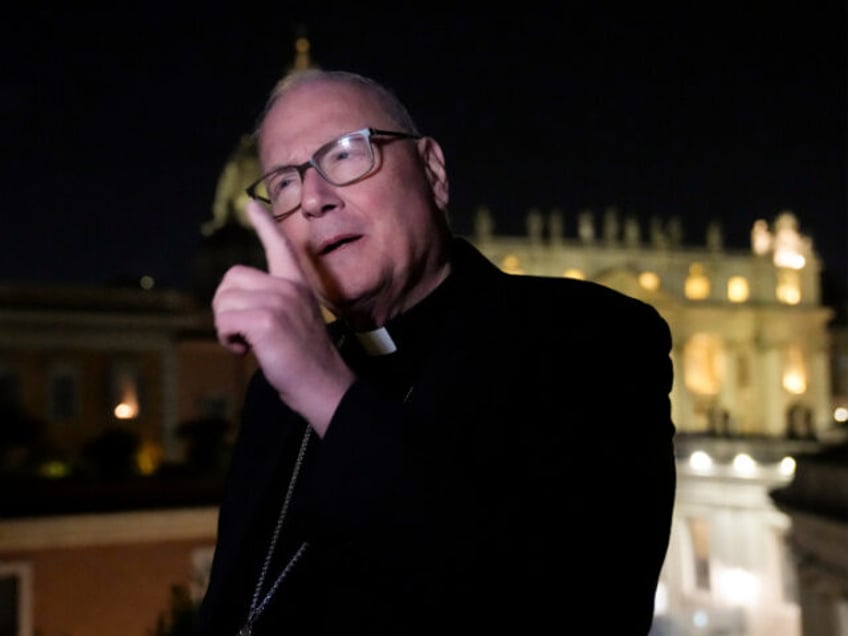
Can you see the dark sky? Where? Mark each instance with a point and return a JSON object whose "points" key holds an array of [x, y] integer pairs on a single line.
{"points": [[117, 122]]}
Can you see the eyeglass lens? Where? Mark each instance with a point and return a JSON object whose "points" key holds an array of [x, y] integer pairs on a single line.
{"points": [[340, 162]]}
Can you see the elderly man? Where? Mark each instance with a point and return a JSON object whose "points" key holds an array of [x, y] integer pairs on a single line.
{"points": [[457, 451]]}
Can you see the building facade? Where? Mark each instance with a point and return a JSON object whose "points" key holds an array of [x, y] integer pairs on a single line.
{"points": [[752, 355], [100, 520]]}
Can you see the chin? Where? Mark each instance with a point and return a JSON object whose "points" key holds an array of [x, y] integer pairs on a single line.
{"points": [[343, 301]]}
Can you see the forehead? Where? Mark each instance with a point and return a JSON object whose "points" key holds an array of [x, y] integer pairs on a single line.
{"points": [[312, 114]]}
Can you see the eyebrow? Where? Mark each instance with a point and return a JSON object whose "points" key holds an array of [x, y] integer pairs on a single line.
{"points": [[295, 166]]}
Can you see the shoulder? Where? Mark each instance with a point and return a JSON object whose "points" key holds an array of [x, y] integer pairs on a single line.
{"points": [[489, 285], [574, 294], [572, 311]]}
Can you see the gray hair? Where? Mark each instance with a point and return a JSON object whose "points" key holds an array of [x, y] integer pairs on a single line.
{"points": [[385, 97]]}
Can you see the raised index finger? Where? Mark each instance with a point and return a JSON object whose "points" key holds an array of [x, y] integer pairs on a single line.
{"points": [[282, 262]]}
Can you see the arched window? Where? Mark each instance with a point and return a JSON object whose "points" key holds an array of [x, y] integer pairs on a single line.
{"points": [[697, 285], [738, 289], [799, 422], [702, 364], [788, 286]]}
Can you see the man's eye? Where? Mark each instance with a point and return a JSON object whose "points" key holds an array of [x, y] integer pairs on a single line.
{"points": [[339, 156], [280, 184]]}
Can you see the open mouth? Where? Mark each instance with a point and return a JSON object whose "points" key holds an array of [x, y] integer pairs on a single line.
{"points": [[334, 245]]}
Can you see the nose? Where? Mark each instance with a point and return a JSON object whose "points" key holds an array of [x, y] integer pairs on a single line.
{"points": [[317, 196]]}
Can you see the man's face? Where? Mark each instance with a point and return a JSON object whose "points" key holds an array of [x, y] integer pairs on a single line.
{"points": [[375, 247]]}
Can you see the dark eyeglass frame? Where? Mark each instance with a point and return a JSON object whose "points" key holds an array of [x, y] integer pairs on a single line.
{"points": [[301, 169]]}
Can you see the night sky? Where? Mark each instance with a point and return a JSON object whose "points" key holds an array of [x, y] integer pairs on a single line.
{"points": [[117, 122]]}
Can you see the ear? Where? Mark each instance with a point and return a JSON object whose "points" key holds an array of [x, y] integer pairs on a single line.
{"points": [[434, 165]]}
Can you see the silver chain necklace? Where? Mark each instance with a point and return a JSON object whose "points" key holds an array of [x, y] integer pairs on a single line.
{"points": [[257, 605]]}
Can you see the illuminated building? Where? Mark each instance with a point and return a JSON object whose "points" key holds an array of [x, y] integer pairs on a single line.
{"points": [[752, 390]]}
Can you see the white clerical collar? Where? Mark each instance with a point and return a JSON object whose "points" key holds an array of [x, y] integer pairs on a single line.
{"points": [[377, 342]]}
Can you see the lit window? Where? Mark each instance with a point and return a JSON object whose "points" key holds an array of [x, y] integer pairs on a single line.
{"points": [[701, 364], [649, 280], [795, 372], [697, 284], [737, 586], [573, 272], [788, 286], [737, 289], [511, 264]]}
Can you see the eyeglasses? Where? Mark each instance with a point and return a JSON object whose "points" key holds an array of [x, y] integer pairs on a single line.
{"points": [[339, 162]]}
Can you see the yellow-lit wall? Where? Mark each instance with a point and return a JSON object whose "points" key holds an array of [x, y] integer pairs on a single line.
{"points": [[85, 582]]}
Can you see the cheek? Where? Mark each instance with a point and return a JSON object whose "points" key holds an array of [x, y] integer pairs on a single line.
{"points": [[296, 230], [296, 238]]}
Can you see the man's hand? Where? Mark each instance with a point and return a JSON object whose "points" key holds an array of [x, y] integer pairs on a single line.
{"points": [[276, 315]]}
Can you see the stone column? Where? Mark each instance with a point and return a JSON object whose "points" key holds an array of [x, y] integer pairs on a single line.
{"points": [[770, 389]]}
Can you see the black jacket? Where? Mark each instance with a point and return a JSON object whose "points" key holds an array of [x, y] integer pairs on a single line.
{"points": [[525, 485]]}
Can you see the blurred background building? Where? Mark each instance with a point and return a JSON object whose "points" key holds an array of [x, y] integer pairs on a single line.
{"points": [[119, 408]]}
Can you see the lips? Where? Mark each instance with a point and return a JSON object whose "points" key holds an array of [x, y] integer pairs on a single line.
{"points": [[334, 243]]}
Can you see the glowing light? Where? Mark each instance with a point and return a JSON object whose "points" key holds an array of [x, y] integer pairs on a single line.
{"points": [[148, 458], [744, 464], [761, 238], [697, 286], [511, 264], [700, 619], [649, 280], [789, 259], [127, 400], [840, 414], [788, 242], [661, 599], [301, 45], [789, 295], [737, 586], [737, 289], [573, 272], [795, 373], [125, 411], [794, 382], [787, 466], [700, 461], [54, 469], [788, 289], [147, 282]]}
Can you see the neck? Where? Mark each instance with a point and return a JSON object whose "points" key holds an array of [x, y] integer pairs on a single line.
{"points": [[374, 313]]}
